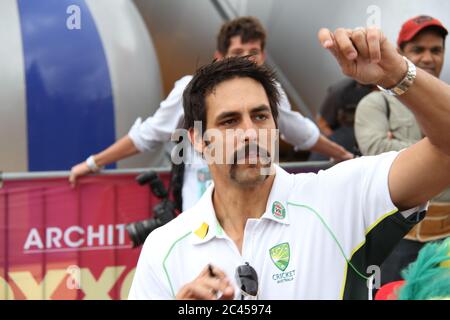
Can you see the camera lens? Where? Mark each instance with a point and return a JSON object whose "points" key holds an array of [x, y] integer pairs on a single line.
{"points": [[138, 231]]}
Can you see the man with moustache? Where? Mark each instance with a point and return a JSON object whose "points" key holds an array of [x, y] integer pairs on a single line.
{"points": [[243, 36], [254, 234]]}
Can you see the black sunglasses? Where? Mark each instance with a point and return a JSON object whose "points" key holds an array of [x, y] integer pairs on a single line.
{"points": [[247, 280]]}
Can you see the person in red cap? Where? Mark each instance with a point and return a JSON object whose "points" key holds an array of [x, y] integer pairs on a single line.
{"points": [[383, 123], [422, 40]]}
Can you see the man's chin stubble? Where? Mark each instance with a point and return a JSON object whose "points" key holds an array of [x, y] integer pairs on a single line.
{"points": [[246, 182]]}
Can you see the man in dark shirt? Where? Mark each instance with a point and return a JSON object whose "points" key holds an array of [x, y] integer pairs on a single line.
{"points": [[337, 113]]}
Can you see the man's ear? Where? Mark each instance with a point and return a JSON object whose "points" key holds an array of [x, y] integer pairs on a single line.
{"points": [[218, 55], [196, 140]]}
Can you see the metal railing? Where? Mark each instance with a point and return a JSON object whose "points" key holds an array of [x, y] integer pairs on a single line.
{"points": [[48, 228], [13, 176]]}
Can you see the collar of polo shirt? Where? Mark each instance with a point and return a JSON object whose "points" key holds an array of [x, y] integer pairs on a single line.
{"points": [[206, 227]]}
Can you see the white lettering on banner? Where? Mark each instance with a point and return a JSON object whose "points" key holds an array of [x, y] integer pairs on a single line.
{"points": [[54, 236], [110, 234], [121, 229], [76, 238], [33, 239], [100, 235], [68, 241]]}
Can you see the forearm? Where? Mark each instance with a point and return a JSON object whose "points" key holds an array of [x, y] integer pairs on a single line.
{"points": [[121, 149], [324, 126], [329, 148], [421, 171]]}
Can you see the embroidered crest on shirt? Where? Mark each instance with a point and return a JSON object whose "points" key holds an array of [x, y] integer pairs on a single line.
{"points": [[280, 255], [278, 210]]}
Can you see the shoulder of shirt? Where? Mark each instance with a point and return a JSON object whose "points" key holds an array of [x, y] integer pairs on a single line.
{"points": [[309, 186], [183, 81], [179, 87], [345, 168], [284, 102], [279, 87]]}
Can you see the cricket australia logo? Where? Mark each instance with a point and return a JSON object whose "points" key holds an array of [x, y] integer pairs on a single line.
{"points": [[281, 255], [278, 210]]}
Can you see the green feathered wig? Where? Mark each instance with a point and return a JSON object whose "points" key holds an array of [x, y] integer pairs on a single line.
{"points": [[428, 278]]}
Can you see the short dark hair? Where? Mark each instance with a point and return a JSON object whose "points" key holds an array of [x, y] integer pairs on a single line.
{"points": [[435, 29], [210, 76], [248, 28]]}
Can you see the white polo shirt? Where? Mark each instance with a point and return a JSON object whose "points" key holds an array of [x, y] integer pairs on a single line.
{"points": [[313, 224]]}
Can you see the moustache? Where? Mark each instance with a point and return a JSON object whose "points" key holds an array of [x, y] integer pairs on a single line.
{"points": [[252, 149]]}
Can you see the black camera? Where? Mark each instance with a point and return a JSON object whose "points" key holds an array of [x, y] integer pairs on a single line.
{"points": [[163, 212]]}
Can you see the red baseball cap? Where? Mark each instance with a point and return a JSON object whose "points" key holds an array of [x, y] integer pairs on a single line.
{"points": [[414, 25]]}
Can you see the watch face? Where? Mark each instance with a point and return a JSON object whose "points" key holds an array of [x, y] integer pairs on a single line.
{"points": [[398, 91]]}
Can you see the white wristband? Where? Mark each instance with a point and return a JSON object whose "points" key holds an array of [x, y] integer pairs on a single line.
{"points": [[92, 165]]}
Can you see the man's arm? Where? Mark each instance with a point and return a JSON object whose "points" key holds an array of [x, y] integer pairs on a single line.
{"points": [[418, 174], [333, 150], [121, 149], [142, 136], [423, 170], [324, 126], [429, 99]]}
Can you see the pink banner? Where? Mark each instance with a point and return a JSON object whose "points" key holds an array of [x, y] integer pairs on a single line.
{"points": [[62, 243]]}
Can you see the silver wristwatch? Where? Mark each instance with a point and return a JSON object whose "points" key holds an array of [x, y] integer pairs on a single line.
{"points": [[405, 84]]}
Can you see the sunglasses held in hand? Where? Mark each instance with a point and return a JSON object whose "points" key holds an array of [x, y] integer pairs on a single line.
{"points": [[247, 280]]}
